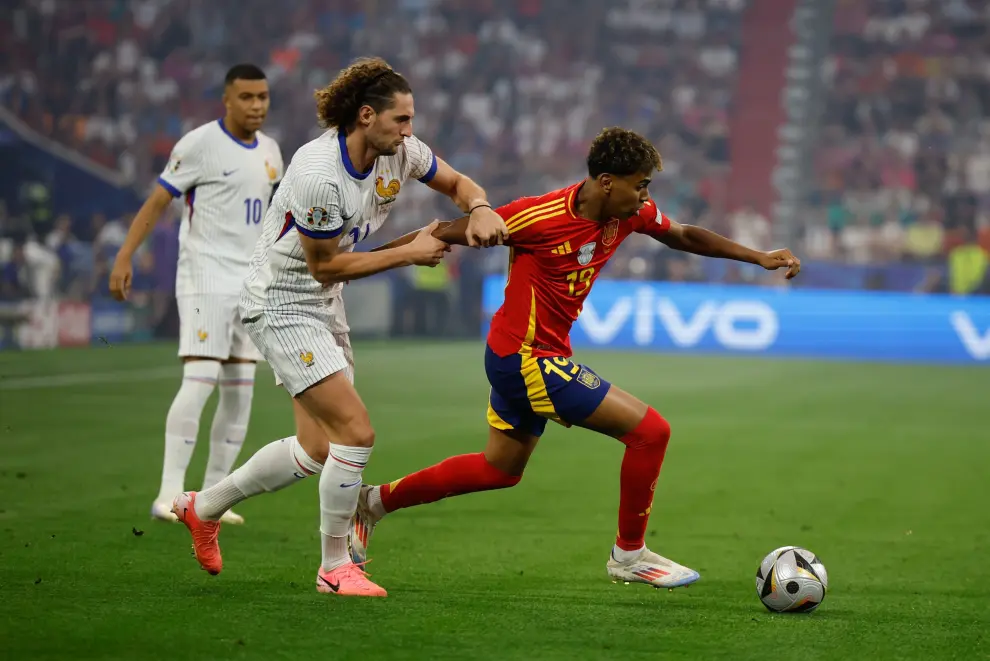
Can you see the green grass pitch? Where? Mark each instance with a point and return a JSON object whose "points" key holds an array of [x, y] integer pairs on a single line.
{"points": [[884, 471]]}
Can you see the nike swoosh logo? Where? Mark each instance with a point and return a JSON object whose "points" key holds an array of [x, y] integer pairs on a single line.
{"points": [[353, 484], [227, 173], [332, 586], [346, 218]]}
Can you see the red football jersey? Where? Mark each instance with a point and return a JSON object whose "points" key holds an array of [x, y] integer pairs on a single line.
{"points": [[555, 257]]}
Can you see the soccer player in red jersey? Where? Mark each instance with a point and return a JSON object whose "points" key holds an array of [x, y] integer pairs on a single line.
{"points": [[559, 243]]}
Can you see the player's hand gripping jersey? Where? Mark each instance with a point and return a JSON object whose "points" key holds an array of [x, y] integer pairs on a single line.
{"points": [[555, 258]]}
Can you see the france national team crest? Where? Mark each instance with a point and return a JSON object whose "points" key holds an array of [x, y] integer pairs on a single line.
{"points": [[387, 193], [586, 253], [610, 231]]}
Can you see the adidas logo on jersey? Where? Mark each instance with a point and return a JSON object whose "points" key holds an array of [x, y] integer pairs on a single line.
{"points": [[563, 249]]}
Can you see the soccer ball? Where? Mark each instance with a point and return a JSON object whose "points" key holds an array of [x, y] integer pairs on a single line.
{"points": [[791, 580]]}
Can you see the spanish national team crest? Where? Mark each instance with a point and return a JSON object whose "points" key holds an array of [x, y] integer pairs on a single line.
{"points": [[317, 217], [306, 357], [586, 253], [588, 378], [610, 232], [387, 193]]}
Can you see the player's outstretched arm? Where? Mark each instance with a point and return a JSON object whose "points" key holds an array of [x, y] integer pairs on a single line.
{"points": [[144, 222], [328, 266], [701, 241], [483, 227], [452, 232]]}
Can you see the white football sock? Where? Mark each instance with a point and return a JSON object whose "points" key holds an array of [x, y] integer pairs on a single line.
{"points": [[334, 551], [182, 423], [230, 422], [621, 555], [340, 486], [273, 467]]}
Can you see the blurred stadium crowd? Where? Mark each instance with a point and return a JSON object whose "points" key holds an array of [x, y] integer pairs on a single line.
{"points": [[511, 92], [904, 161]]}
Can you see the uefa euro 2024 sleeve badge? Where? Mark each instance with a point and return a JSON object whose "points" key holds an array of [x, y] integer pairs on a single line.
{"points": [[317, 217]]}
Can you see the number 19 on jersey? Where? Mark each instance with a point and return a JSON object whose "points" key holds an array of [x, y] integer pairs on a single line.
{"points": [[582, 280]]}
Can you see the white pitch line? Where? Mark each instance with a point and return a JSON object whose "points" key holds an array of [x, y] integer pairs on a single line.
{"points": [[93, 378], [88, 378]]}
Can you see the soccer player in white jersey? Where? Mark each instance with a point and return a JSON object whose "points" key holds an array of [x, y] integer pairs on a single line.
{"points": [[338, 190], [226, 171]]}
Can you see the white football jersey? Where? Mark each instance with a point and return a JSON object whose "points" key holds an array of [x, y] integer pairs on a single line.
{"points": [[227, 186], [322, 196]]}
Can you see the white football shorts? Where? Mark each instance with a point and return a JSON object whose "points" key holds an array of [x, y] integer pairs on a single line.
{"points": [[304, 344], [210, 327]]}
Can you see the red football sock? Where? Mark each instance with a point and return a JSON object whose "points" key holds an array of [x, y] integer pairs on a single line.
{"points": [[645, 448], [453, 476]]}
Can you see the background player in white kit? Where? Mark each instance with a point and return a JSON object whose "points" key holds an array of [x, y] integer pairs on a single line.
{"points": [[337, 191], [227, 170]]}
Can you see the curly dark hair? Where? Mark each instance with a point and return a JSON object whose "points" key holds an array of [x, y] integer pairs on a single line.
{"points": [[622, 152], [367, 81]]}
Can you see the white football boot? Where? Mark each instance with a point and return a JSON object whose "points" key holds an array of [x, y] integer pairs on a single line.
{"points": [[362, 525], [232, 517], [652, 569], [163, 512]]}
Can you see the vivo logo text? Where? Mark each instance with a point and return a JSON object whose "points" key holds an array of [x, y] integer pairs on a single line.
{"points": [[741, 325]]}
